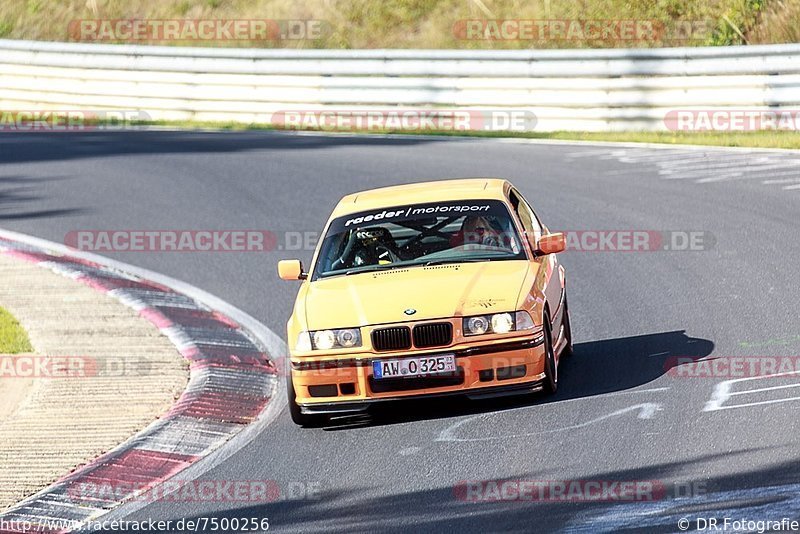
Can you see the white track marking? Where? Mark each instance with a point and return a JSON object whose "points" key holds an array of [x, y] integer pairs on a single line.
{"points": [[698, 176], [706, 165], [671, 159], [646, 410], [722, 392], [709, 163], [782, 181], [759, 403], [759, 168], [760, 390]]}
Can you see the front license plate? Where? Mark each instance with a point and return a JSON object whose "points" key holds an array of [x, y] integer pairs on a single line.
{"points": [[408, 367]]}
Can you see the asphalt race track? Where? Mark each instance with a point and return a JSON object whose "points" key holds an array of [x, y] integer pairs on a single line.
{"points": [[622, 413]]}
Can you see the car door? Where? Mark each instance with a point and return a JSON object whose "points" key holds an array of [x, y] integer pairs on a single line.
{"points": [[550, 275]]}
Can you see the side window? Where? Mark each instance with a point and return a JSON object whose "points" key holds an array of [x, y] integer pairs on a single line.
{"points": [[526, 215]]}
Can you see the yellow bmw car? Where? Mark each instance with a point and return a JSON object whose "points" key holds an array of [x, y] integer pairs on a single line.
{"points": [[426, 290]]}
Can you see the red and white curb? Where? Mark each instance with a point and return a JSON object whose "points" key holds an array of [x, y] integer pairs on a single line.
{"points": [[233, 378]]}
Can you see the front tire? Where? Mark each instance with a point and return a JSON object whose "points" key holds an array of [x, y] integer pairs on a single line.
{"points": [[550, 365], [298, 417], [566, 352]]}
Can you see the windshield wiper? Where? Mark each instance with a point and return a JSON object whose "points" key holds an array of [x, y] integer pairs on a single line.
{"points": [[453, 260], [372, 269], [389, 266]]}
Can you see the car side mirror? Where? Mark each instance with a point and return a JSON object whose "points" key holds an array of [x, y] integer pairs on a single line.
{"points": [[551, 244], [291, 270]]}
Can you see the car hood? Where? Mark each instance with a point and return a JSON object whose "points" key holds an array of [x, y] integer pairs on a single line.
{"points": [[434, 292]]}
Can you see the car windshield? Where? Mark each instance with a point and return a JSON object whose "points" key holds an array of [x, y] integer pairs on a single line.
{"points": [[403, 236]]}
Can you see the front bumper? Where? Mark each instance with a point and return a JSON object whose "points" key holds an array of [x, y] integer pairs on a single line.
{"points": [[503, 367], [490, 392]]}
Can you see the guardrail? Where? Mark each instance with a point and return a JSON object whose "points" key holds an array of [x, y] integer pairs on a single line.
{"points": [[618, 89]]}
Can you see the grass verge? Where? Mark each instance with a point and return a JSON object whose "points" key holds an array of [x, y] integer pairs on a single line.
{"points": [[13, 338], [424, 23]]}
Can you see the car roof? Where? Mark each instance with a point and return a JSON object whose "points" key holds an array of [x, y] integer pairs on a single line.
{"points": [[421, 193]]}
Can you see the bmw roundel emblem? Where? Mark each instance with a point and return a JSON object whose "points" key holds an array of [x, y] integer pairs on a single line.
{"points": [[410, 311]]}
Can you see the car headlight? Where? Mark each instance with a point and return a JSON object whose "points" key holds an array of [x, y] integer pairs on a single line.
{"points": [[498, 323], [303, 342], [343, 338], [523, 321], [348, 337], [502, 323], [323, 339], [476, 325]]}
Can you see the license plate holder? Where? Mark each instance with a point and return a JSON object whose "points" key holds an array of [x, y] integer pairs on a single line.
{"points": [[415, 366]]}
